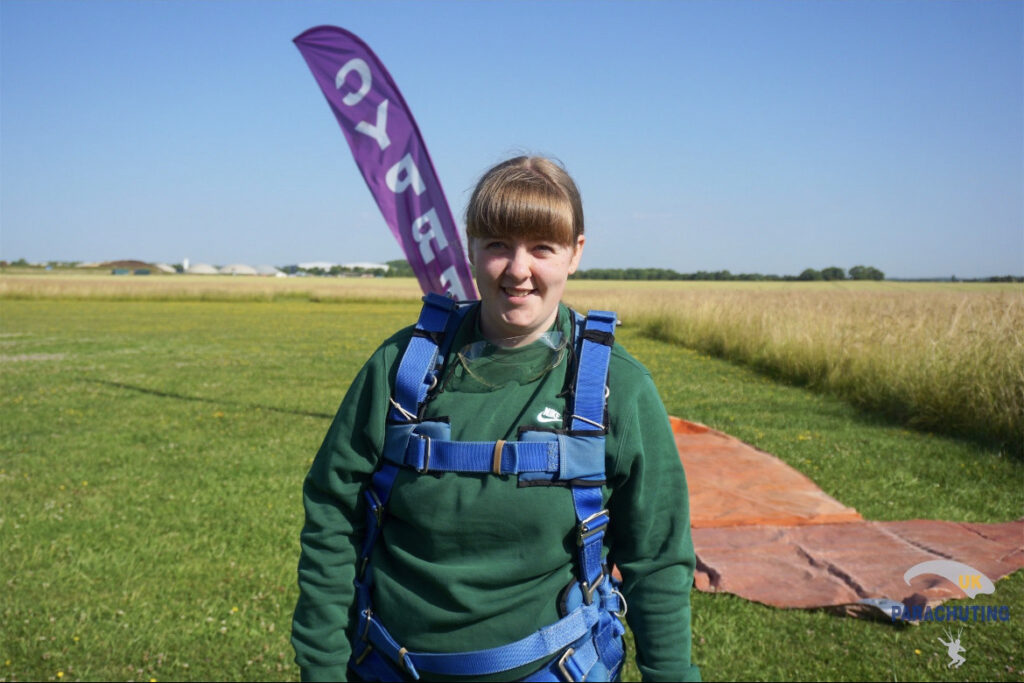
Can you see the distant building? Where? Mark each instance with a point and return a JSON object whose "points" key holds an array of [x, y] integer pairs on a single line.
{"points": [[322, 265], [367, 266], [238, 269], [269, 270], [201, 269]]}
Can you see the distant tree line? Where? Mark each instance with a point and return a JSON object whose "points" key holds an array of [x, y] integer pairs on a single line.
{"points": [[996, 278], [335, 271], [399, 268], [830, 273], [22, 263]]}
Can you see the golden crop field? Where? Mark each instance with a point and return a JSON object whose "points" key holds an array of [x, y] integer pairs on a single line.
{"points": [[943, 356], [948, 357], [88, 285]]}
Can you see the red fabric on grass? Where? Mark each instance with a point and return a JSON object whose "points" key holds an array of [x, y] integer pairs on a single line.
{"points": [[764, 531]]}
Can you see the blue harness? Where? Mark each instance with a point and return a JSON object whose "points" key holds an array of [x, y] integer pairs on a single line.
{"points": [[586, 643]]}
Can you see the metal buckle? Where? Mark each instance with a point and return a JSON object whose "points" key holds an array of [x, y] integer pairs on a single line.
{"points": [[585, 531], [368, 613], [378, 507], [363, 655], [588, 590], [561, 666], [402, 654], [363, 564], [589, 422], [426, 460]]}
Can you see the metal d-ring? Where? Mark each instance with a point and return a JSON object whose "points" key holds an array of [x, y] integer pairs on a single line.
{"points": [[622, 601]]}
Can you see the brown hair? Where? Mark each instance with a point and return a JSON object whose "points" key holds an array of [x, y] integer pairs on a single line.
{"points": [[529, 198]]}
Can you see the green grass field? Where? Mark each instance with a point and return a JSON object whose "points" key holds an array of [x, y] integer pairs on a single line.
{"points": [[152, 455]]}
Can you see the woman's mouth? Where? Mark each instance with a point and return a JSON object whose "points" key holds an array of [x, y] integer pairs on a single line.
{"points": [[516, 293]]}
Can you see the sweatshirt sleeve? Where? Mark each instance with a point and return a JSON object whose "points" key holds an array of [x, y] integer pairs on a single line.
{"points": [[335, 521], [651, 542]]}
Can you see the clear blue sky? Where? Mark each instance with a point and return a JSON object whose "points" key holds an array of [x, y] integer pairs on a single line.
{"points": [[767, 136]]}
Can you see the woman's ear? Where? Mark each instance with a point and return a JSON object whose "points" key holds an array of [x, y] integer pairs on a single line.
{"points": [[574, 262], [471, 249]]}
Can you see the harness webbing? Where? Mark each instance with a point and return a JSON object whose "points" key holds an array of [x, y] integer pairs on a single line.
{"points": [[425, 454], [588, 411], [589, 634], [419, 364]]}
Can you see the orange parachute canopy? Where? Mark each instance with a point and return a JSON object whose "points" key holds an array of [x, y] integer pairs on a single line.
{"points": [[764, 531]]}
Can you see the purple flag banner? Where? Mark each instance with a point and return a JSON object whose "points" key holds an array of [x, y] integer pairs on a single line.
{"points": [[390, 153]]}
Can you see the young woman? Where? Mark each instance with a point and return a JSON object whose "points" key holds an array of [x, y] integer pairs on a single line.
{"points": [[487, 468]]}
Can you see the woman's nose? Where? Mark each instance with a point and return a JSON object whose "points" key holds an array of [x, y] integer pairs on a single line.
{"points": [[519, 265]]}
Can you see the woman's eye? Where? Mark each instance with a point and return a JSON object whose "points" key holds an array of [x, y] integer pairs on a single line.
{"points": [[496, 245], [546, 248]]}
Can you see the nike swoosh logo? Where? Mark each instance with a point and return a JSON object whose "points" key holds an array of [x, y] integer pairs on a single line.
{"points": [[549, 415]]}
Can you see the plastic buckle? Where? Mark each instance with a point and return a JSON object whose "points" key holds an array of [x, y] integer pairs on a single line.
{"points": [[426, 459], [561, 665], [499, 445], [586, 530]]}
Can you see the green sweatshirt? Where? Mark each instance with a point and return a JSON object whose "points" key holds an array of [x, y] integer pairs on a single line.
{"points": [[470, 561]]}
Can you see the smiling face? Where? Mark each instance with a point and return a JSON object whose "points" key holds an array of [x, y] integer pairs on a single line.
{"points": [[521, 282], [525, 228]]}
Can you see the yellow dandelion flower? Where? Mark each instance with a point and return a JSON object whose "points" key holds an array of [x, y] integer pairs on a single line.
{"points": [[917, 652], [234, 609], [60, 674]]}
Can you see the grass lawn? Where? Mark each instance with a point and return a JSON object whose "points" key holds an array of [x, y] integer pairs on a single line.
{"points": [[152, 455]]}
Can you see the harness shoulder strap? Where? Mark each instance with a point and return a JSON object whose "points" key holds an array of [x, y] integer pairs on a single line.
{"points": [[595, 348], [417, 372], [588, 415]]}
